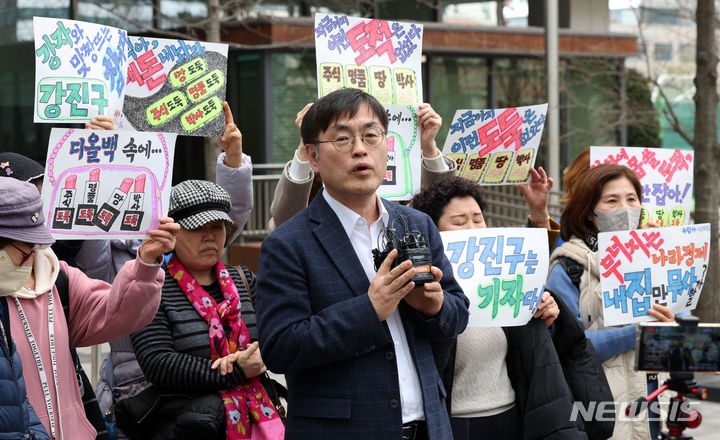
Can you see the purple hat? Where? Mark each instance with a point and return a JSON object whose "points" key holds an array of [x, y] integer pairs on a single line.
{"points": [[21, 216]]}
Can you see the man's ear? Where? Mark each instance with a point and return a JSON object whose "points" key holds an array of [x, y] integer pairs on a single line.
{"points": [[312, 155]]}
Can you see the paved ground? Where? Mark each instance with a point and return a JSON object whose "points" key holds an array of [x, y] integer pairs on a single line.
{"points": [[710, 409]]}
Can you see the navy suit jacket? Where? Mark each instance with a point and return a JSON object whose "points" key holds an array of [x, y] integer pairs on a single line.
{"points": [[317, 326]]}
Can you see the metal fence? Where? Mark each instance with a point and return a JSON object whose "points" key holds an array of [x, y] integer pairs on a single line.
{"points": [[506, 205], [265, 178]]}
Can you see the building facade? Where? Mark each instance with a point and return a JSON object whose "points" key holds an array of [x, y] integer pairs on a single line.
{"points": [[472, 59]]}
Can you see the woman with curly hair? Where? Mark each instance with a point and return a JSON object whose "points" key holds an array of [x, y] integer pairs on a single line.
{"points": [[509, 380]]}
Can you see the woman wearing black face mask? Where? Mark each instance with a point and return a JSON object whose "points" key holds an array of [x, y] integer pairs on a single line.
{"points": [[615, 206]]}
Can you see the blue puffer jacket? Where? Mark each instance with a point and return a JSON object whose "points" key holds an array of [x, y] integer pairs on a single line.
{"points": [[17, 418]]}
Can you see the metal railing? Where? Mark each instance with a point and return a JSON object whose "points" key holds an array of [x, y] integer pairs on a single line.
{"points": [[506, 205]]}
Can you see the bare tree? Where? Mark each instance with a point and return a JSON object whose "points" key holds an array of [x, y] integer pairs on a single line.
{"points": [[707, 155], [703, 137]]}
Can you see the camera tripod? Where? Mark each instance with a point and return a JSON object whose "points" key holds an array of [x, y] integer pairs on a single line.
{"points": [[680, 416]]}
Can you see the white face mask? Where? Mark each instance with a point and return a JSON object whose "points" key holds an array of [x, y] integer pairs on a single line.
{"points": [[12, 277], [623, 219]]}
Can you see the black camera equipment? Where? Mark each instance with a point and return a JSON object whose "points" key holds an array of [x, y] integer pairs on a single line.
{"points": [[411, 245], [680, 416]]}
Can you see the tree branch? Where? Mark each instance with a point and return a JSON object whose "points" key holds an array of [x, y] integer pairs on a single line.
{"points": [[192, 36], [669, 111]]}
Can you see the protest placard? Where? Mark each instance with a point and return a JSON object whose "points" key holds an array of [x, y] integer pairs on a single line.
{"points": [[175, 86], [643, 267], [106, 184], [495, 147], [501, 270], [402, 178], [80, 70], [380, 57], [666, 176]]}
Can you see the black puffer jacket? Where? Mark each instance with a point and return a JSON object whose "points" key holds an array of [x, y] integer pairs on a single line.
{"points": [[546, 381], [582, 367], [17, 417]]}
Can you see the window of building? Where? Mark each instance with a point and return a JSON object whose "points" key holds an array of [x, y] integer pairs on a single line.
{"points": [[470, 13], [519, 81], [294, 84], [662, 52], [594, 101], [687, 52], [16, 18], [114, 13], [457, 83]]}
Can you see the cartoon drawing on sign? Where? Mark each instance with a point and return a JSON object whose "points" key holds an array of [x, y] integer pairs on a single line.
{"points": [[640, 268], [402, 178], [495, 146], [132, 217], [65, 210], [666, 176], [380, 57], [109, 211], [79, 70], [86, 210], [131, 184], [175, 86]]}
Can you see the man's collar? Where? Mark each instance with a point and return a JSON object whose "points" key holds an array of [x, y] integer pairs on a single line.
{"points": [[349, 218]]}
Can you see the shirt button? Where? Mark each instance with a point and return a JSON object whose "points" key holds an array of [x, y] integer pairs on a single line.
{"points": [[394, 403], [389, 355]]}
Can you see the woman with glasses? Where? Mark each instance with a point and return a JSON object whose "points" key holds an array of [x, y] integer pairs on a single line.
{"points": [[300, 182], [98, 312]]}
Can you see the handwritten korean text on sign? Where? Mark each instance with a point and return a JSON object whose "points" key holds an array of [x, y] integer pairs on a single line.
{"points": [[501, 270], [106, 184], [666, 176], [646, 266], [380, 57], [497, 146], [176, 86], [80, 70]]}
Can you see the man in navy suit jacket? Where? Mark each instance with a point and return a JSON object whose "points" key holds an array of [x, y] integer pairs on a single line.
{"points": [[354, 344]]}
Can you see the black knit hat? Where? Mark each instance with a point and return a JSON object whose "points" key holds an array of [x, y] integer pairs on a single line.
{"points": [[20, 167]]}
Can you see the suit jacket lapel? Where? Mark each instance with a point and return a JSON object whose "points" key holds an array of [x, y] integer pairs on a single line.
{"points": [[330, 234]]}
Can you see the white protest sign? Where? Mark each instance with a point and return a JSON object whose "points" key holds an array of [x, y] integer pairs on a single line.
{"points": [[402, 178], [106, 184], [495, 147], [380, 57], [501, 270], [643, 267], [175, 86], [666, 176], [80, 70]]}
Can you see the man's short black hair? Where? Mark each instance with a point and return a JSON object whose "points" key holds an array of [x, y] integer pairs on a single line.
{"points": [[433, 199], [338, 104]]}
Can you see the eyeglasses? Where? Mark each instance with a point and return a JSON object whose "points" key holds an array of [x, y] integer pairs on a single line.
{"points": [[26, 255], [344, 141]]}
